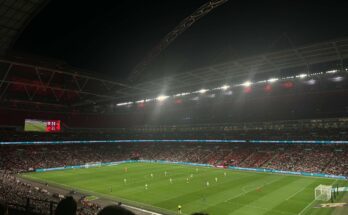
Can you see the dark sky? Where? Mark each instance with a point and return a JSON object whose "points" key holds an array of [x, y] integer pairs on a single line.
{"points": [[111, 37]]}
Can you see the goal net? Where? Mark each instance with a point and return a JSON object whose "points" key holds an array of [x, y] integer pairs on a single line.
{"points": [[323, 192], [93, 164]]}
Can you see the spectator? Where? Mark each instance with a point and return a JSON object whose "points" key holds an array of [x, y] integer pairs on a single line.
{"points": [[115, 210], [66, 206], [3, 209]]}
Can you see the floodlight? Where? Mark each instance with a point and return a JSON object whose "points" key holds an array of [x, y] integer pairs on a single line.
{"points": [[247, 84], [225, 87], [301, 75], [124, 103], [332, 71], [162, 97], [271, 80], [202, 91]]}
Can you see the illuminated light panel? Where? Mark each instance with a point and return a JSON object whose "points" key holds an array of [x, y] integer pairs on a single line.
{"points": [[140, 101], [287, 84], [301, 76], [261, 82], [162, 98], [182, 94], [202, 91], [225, 87], [272, 80], [332, 71], [247, 84], [149, 100], [124, 103]]}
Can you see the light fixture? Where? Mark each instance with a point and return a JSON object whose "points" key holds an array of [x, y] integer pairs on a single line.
{"points": [[332, 71], [124, 103], [271, 80], [225, 87], [162, 97], [301, 75], [247, 84], [202, 91]]}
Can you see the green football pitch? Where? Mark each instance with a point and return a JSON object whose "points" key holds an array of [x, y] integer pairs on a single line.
{"points": [[236, 192], [35, 126]]}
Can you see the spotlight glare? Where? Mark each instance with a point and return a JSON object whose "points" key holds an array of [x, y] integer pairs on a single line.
{"points": [[124, 103], [247, 84], [203, 91], [301, 76], [162, 98], [332, 71], [271, 80], [225, 87]]}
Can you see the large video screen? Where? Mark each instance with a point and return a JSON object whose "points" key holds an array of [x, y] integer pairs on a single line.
{"points": [[42, 125]]}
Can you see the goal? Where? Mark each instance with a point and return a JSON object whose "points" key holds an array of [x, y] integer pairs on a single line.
{"points": [[93, 164], [323, 192]]}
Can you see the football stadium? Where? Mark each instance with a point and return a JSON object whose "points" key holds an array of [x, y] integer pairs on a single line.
{"points": [[149, 107]]}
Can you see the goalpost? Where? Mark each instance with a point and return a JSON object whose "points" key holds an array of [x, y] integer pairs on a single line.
{"points": [[93, 164], [323, 192]]}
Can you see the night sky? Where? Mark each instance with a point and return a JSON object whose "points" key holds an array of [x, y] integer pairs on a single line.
{"points": [[111, 37]]}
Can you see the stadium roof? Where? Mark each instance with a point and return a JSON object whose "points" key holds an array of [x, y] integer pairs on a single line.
{"points": [[27, 85], [302, 58], [14, 16]]}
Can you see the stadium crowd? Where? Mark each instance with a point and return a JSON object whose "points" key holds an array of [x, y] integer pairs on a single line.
{"points": [[331, 159], [23, 196], [16, 158], [220, 132]]}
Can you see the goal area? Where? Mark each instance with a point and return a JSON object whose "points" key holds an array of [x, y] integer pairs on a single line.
{"points": [[323, 192], [93, 164]]}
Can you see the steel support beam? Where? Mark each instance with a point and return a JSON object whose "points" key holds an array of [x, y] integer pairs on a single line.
{"points": [[171, 36]]}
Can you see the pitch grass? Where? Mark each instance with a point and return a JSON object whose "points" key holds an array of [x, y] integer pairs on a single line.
{"points": [[238, 192], [35, 126]]}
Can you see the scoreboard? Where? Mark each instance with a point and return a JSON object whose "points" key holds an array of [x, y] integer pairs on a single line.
{"points": [[42, 125], [52, 125]]}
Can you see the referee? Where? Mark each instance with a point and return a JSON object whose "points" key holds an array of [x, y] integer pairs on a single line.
{"points": [[179, 209]]}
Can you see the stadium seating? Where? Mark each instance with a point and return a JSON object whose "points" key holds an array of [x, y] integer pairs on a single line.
{"points": [[22, 196]]}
